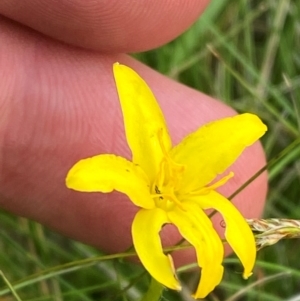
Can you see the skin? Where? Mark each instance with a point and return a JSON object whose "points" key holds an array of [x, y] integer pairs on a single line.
{"points": [[58, 104]]}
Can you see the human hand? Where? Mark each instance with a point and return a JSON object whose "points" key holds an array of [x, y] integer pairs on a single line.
{"points": [[59, 104]]}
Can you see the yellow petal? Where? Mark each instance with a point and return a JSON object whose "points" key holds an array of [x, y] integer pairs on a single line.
{"points": [[143, 120], [214, 147], [194, 225], [105, 173], [146, 240], [238, 233]]}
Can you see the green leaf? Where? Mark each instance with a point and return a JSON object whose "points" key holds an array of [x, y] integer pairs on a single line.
{"points": [[154, 291]]}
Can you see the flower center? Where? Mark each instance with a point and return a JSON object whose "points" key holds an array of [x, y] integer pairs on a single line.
{"points": [[167, 180], [165, 187]]}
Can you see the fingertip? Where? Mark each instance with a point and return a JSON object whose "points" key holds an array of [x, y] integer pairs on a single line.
{"points": [[119, 26]]}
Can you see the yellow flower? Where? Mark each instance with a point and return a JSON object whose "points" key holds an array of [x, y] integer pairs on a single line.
{"points": [[172, 185]]}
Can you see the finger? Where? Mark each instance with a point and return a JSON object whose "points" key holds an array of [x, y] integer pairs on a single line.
{"points": [[120, 26], [59, 105]]}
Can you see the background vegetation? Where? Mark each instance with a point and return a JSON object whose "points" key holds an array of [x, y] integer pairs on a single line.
{"points": [[246, 53]]}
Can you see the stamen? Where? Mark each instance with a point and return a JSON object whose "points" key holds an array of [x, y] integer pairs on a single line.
{"points": [[167, 179], [214, 186], [174, 169], [160, 140], [160, 178], [222, 181]]}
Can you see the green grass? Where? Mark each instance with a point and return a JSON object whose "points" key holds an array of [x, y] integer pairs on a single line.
{"points": [[247, 54]]}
